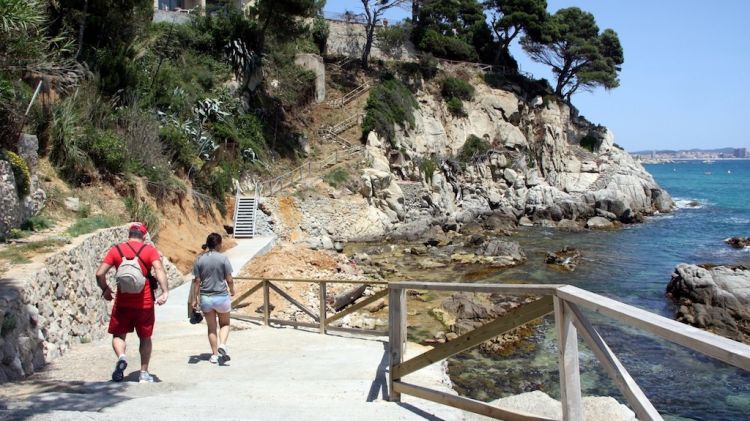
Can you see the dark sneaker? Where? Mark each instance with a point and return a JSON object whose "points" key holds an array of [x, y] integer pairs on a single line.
{"points": [[146, 377], [119, 374], [223, 353]]}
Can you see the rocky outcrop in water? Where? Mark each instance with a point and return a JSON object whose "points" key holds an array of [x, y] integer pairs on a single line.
{"points": [[738, 242], [715, 298], [566, 259]]}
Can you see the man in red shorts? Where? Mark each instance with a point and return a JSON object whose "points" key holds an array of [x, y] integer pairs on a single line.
{"points": [[133, 311]]}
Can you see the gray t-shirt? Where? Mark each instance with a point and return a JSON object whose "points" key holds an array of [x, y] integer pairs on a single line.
{"points": [[212, 268]]}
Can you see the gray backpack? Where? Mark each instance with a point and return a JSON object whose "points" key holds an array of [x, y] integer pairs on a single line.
{"points": [[129, 276]]}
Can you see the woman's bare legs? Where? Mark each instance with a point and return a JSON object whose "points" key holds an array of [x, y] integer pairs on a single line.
{"points": [[210, 317], [223, 328]]}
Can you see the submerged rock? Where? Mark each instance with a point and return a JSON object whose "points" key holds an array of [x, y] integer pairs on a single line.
{"points": [[566, 259], [715, 298]]}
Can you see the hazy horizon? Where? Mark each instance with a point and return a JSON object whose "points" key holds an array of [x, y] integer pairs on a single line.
{"points": [[680, 86]]}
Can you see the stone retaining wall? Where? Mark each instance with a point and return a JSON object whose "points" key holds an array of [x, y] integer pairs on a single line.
{"points": [[47, 306]]}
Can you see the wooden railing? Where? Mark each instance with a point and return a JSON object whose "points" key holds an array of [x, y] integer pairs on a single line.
{"points": [[349, 97], [322, 319], [279, 183], [566, 302]]}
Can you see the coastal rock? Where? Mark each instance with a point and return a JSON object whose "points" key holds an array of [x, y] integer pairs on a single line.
{"points": [[566, 259], [738, 242], [595, 408], [715, 298], [599, 223]]}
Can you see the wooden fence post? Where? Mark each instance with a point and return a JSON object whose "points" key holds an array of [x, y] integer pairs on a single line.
{"points": [[323, 308], [397, 335], [266, 304], [570, 379]]}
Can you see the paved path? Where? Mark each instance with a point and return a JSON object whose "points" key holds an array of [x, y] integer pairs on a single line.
{"points": [[275, 373]]}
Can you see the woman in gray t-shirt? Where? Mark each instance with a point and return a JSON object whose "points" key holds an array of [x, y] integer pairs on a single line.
{"points": [[212, 276]]}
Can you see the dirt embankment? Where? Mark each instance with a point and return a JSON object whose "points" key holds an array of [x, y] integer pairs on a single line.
{"points": [[296, 262]]}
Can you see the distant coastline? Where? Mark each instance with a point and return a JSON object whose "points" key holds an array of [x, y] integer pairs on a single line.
{"points": [[643, 160]]}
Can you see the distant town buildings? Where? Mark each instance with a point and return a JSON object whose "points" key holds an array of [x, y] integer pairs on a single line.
{"points": [[661, 156]]}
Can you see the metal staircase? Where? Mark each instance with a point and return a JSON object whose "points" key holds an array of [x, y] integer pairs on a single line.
{"points": [[245, 210]]}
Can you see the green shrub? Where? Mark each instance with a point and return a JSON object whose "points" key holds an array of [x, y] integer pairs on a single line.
{"points": [[21, 173], [252, 140], [67, 152], [91, 224], [590, 142], [181, 151], [37, 222], [106, 149], [143, 212], [473, 147], [390, 103], [390, 39], [9, 323], [453, 87], [447, 46], [320, 33], [456, 107], [336, 177], [428, 65], [428, 167], [530, 88]]}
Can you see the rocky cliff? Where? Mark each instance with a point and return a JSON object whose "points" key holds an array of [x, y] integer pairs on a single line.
{"points": [[535, 166]]}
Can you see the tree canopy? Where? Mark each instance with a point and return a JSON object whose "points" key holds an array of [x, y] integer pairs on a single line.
{"points": [[580, 56], [374, 10], [511, 17], [455, 30]]}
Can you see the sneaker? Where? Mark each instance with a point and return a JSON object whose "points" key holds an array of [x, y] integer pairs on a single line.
{"points": [[214, 359], [224, 353], [119, 374], [146, 377]]}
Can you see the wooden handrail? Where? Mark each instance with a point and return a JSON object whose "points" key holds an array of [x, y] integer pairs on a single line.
{"points": [[569, 319], [321, 321]]}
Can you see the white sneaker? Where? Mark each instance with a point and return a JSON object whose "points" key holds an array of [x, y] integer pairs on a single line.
{"points": [[214, 359], [146, 377], [224, 353]]}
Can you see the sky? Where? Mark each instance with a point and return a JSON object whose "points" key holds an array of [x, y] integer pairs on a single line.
{"points": [[684, 81]]}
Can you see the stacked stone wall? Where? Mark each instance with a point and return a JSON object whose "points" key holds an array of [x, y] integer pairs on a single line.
{"points": [[47, 306]]}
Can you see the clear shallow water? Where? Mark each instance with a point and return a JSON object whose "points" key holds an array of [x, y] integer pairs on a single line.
{"points": [[634, 266]]}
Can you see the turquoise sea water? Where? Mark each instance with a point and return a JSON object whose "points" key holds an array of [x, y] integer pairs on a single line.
{"points": [[634, 265]]}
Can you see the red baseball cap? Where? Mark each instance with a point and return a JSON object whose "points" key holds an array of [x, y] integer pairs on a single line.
{"points": [[137, 226]]}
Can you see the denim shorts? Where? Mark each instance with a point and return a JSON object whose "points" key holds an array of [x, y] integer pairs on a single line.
{"points": [[218, 303]]}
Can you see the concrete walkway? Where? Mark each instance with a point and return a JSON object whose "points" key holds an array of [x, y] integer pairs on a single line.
{"points": [[274, 373]]}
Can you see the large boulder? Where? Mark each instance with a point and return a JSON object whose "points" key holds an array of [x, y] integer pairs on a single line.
{"points": [[595, 408], [715, 298], [314, 63]]}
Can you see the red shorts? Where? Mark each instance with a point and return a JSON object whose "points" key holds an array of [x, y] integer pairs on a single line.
{"points": [[125, 320]]}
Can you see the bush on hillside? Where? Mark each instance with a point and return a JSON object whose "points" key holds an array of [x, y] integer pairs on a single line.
{"points": [[529, 88], [390, 104], [453, 87], [472, 148], [456, 107], [390, 39], [106, 149], [143, 212], [181, 151], [21, 172], [448, 47], [427, 167], [337, 177], [591, 142]]}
